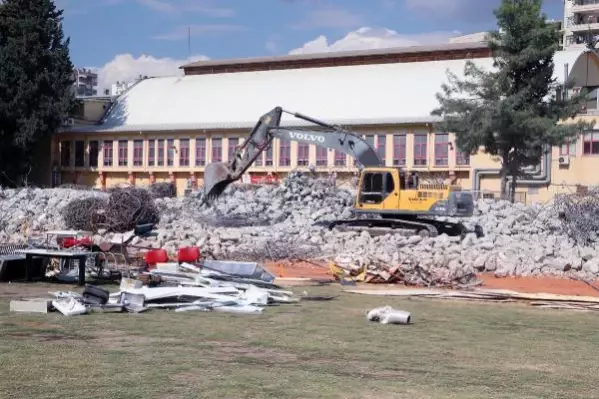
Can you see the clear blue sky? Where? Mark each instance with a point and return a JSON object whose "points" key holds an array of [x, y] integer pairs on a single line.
{"points": [[102, 29]]}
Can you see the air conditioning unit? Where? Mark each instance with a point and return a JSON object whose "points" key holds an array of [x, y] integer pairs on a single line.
{"points": [[564, 160]]}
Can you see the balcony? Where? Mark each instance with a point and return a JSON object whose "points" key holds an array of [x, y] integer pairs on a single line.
{"points": [[584, 27], [585, 6]]}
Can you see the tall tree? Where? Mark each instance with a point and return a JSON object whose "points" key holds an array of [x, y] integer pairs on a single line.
{"points": [[514, 110], [35, 82]]}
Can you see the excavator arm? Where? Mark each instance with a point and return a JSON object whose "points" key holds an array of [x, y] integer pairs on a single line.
{"points": [[218, 175]]}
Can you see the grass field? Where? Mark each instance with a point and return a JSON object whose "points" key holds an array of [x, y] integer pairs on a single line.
{"points": [[309, 350]]}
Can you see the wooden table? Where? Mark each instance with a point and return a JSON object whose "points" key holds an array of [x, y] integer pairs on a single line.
{"points": [[69, 256]]}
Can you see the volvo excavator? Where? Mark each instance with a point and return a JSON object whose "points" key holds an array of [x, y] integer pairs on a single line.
{"points": [[386, 196]]}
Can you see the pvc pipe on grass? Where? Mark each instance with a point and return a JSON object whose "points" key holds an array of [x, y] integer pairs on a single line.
{"points": [[388, 315]]}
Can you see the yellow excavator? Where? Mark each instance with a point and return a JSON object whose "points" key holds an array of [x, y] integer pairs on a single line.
{"points": [[387, 197]]}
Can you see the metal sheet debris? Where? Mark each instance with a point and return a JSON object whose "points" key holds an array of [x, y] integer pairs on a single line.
{"points": [[183, 287]]}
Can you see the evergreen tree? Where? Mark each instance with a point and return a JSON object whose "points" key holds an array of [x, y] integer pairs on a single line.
{"points": [[514, 110], [35, 82]]}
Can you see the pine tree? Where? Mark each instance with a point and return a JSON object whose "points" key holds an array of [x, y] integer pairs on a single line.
{"points": [[514, 110], [35, 82]]}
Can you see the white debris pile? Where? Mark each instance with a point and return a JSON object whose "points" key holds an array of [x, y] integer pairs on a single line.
{"points": [[182, 287], [276, 222], [32, 210]]}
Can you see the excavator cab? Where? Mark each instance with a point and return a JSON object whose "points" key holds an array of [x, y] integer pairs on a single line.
{"points": [[389, 192]]}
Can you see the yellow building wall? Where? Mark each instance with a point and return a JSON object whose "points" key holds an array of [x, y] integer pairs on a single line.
{"points": [[581, 170]]}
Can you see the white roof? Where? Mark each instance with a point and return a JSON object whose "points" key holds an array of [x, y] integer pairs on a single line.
{"points": [[350, 95]]}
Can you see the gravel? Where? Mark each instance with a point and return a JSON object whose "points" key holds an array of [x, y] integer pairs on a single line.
{"points": [[273, 222]]}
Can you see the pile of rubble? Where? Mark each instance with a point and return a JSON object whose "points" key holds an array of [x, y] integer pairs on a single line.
{"points": [[276, 222]]}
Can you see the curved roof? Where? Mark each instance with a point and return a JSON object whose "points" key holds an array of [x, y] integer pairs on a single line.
{"points": [[350, 95]]}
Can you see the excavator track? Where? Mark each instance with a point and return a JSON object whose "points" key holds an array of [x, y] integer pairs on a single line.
{"points": [[423, 227]]}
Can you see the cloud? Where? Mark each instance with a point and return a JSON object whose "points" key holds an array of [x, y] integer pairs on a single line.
{"points": [[329, 17], [126, 68], [371, 38], [182, 32], [206, 7]]}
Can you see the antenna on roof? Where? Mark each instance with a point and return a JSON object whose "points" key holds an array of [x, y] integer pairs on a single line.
{"points": [[188, 41]]}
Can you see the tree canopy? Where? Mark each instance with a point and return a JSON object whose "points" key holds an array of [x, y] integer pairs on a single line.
{"points": [[35, 82], [513, 111]]}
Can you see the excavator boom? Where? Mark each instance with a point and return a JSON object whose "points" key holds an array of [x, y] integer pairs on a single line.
{"points": [[218, 175]]}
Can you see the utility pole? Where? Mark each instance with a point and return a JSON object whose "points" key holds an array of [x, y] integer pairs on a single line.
{"points": [[188, 41]]}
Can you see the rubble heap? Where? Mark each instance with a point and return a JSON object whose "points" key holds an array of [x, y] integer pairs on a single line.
{"points": [[271, 222]]}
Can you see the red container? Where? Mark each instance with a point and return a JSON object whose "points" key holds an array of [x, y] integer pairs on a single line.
{"points": [[155, 256], [188, 255]]}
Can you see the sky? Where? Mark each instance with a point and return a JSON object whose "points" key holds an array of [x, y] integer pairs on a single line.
{"points": [[125, 38]]}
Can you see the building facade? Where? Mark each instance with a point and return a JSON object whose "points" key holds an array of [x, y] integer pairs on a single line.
{"points": [[168, 129], [581, 22], [85, 82]]}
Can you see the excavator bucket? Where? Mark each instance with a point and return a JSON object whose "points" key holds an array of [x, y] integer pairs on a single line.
{"points": [[217, 177]]}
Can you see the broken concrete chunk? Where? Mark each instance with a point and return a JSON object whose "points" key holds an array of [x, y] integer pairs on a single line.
{"points": [[33, 305]]}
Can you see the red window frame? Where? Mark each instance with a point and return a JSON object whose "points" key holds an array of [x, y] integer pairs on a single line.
{"points": [[183, 152], [138, 152], [321, 156], [568, 148], [591, 143], [462, 158], [123, 152], [381, 147], [151, 152], [200, 151], [269, 157], [160, 160], [217, 150], [303, 154], [441, 149], [233, 144], [170, 152], [107, 149], [284, 153], [340, 158], [399, 149], [420, 149]]}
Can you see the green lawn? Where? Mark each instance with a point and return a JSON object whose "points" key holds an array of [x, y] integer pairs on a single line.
{"points": [[310, 350]]}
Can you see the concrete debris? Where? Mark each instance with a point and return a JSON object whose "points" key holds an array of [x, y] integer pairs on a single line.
{"points": [[32, 305], [275, 222]]}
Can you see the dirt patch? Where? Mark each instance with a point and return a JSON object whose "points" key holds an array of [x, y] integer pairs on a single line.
{"points": [[548, 285], [316, 270], [545, 284]]}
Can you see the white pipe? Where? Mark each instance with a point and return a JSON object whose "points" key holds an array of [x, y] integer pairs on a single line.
{"points": [[396, 317], [388, 315]]}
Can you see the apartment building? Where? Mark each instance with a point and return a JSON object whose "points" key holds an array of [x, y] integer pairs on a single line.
{"points": [[581, 22], [85, 82]]}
